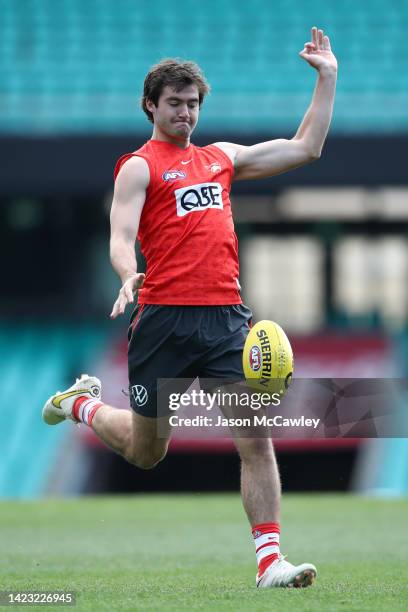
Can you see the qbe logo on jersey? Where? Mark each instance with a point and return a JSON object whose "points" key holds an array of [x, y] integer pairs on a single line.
{"points": [[196, 198]]}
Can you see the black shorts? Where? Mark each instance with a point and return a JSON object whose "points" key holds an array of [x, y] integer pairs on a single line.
{"points": [[183, 342]]}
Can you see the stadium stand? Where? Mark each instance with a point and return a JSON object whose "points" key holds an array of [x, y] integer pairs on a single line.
{"points": [[74, 65], [33, 359]]}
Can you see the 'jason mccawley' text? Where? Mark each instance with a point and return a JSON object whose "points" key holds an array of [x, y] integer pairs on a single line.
{"points": [[254, 421]]}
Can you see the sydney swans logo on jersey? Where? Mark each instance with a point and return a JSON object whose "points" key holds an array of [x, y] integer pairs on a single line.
{"points": [[172, 175], [195, 198]]}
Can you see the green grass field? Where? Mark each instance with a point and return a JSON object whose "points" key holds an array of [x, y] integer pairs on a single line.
{"points": [[195, 552]]}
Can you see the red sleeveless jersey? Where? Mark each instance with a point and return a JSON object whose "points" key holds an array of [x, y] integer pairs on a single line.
{"points": [[186, 231]]}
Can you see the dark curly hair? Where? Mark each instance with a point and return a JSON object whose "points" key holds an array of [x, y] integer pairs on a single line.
{"points": [[175, 73]]}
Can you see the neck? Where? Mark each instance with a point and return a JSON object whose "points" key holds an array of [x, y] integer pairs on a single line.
{"points": [[179, 141]]}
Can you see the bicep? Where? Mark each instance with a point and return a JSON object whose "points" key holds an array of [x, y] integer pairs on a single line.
{"points": [[268, 158], [128, 199]]}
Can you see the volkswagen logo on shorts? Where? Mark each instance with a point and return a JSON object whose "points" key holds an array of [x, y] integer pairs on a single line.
{"points": [[139, 393]]}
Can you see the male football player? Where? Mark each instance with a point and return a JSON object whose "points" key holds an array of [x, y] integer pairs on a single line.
{"points": [[190, 321]]}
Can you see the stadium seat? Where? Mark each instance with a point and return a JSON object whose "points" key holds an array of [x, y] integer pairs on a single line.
{"points": [[36, 360], [72, 54]]}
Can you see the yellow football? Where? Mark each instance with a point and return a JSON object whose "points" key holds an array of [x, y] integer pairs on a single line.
{"points": [[268, 358]]}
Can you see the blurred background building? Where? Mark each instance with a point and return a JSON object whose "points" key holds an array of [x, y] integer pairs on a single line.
{"points": [[323, 249]]}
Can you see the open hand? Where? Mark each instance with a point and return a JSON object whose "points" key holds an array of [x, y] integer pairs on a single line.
{"points": [[318, 53], [126, 294]]}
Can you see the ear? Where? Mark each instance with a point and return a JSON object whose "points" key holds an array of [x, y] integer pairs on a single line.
{"points": [[150, 105]]}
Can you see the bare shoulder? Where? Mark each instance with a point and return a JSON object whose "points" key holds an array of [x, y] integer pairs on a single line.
{"points": [[134, 173], [230, 149]]}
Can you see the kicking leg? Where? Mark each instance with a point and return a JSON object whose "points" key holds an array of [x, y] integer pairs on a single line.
{"points": [[131, 435]]}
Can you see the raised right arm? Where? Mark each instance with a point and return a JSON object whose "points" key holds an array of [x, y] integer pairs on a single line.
{"points": [[128, 200]]}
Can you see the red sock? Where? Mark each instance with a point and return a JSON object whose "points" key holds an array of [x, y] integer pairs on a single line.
{"points": [[266, 536], [85, 408]]}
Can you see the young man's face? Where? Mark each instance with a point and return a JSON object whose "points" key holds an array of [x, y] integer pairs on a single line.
{"points": [[176, 113]]}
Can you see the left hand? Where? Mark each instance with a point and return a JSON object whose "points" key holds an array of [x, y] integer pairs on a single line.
{"points": [[318, 53]]}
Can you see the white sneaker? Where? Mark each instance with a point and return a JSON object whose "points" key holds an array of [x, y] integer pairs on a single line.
{"points": [[59, 406], [281, 573]]}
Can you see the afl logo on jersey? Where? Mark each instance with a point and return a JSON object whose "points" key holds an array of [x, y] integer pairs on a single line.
{"points": [[215, 168], [196, 198], [172, 175]]}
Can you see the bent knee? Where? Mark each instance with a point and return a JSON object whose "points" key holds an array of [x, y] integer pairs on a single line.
{"points": [[145, 461]]}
